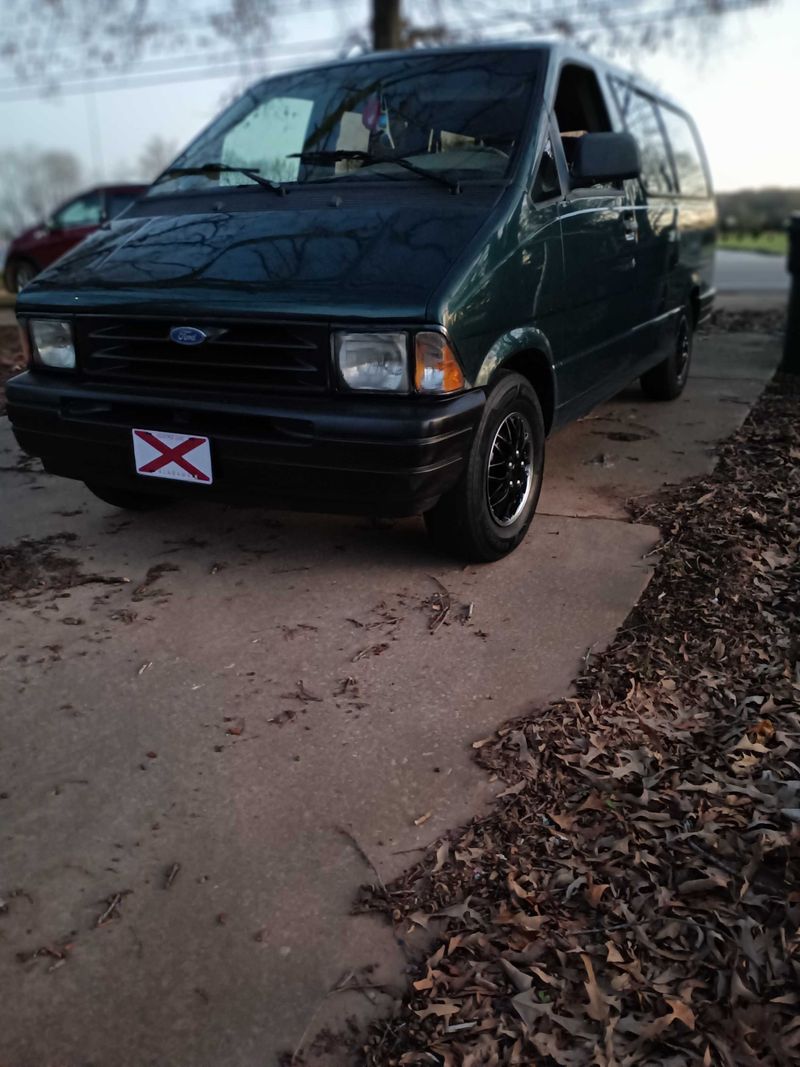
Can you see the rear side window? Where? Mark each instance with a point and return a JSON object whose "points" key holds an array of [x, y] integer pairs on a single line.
{"points": [[83, 211], [640, 116], [692, 179]]}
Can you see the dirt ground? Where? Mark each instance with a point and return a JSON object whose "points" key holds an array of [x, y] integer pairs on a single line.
{"points": [[10, 358]]}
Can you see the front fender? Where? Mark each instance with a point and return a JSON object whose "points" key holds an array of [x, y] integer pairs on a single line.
{"points": [[528, 340], [526, 350]]}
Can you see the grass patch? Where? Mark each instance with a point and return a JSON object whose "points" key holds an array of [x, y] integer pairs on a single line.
{"points": [[772, 242]]}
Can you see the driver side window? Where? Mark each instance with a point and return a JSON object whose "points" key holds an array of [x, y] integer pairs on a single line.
{"points": [[266, 138], [580, 108], [82, 211]]}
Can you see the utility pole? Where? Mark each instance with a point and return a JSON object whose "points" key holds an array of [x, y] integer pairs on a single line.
{"points": [[95, 140], [385, 25]]}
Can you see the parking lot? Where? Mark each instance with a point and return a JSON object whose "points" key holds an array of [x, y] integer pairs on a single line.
{"points": [[219, 722]]}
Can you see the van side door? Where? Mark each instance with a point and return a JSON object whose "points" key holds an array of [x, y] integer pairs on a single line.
{"points": [[656, 210], [697, 215], [542, 254], [598, 227]]}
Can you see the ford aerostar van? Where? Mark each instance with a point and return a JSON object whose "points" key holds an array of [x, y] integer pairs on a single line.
{"points": [[376, 286]]}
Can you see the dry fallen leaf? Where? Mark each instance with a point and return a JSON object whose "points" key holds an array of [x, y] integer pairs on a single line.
{"points": [[441, 1010], [598, 1002], [761, 731], [681, 1011], [442, 852]]}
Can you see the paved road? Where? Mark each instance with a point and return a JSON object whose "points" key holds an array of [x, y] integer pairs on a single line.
{"points": [[750, 272], [273, 714]]}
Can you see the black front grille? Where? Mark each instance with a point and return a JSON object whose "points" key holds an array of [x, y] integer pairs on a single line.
{"points": [[263, 356]]}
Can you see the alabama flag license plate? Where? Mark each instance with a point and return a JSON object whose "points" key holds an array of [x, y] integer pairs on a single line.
{"points": [[178, 456]]}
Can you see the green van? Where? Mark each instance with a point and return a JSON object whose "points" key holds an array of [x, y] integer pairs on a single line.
{"points": [[376, 286]]}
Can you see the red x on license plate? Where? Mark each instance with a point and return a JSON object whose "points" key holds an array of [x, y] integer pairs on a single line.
{"points": [[172, 455]]}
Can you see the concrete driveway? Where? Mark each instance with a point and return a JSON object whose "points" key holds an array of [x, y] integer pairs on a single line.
{"points": [[200, 764]]}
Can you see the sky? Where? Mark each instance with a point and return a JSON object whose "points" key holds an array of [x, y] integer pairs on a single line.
{"points": [[742, 92]]}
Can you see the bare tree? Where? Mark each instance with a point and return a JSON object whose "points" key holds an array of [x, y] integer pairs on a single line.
{"points": [[49, 43], [33, 183], [387, 25], [58, 44], [629, 27], [155, 157]]}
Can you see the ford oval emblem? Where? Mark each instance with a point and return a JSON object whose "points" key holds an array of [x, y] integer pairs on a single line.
{"points": [[187, 335]]}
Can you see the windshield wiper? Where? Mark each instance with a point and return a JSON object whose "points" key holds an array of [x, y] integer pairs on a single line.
{"points": [[223, 168], [368, 159]]}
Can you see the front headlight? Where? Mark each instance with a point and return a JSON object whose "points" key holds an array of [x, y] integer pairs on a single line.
{"points": [[52, 343], [374, 361]]}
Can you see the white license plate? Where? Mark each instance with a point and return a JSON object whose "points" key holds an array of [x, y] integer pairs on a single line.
{"points": [[181, 457]]}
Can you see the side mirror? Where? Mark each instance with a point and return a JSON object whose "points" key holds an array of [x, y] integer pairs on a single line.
{"points": [[604, 157], [51, 225]]}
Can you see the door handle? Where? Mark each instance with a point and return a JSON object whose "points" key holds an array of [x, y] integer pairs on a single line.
{"points": [[630, 225]]}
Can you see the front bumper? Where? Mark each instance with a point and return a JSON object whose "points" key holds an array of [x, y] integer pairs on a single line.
{"points": [[358, 454]]}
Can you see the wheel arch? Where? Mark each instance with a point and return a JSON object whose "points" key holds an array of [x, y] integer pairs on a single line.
{"points": [[526, 351]]}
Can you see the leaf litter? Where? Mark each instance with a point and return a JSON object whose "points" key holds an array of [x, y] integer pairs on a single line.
{"points": [[34, 566], [634, 895]]}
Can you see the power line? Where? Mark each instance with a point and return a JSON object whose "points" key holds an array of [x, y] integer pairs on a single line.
{"points": [[197, 21], [167, 78], [578, 11], [180, 68], [174, 64]]}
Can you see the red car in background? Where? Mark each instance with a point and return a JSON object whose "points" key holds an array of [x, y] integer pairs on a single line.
{"points": [[42, 244]]}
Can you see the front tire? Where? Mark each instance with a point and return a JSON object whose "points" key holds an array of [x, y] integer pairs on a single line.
{"points": [[667, 380], [488, 512], [128, 499]]}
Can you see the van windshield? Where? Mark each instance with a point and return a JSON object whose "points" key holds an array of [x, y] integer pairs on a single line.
{"points": [[457, 115]]}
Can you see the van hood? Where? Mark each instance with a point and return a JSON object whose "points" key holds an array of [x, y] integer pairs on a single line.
{"points": [[344, 257]]}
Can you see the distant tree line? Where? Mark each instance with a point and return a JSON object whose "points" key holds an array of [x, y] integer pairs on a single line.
{"points": [[756, 210]]}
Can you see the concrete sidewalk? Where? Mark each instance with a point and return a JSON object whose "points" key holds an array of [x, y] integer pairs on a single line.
{"points": [[275, 715]]}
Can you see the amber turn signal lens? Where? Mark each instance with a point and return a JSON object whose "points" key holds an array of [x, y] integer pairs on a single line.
{"points": [[436, 367]]}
